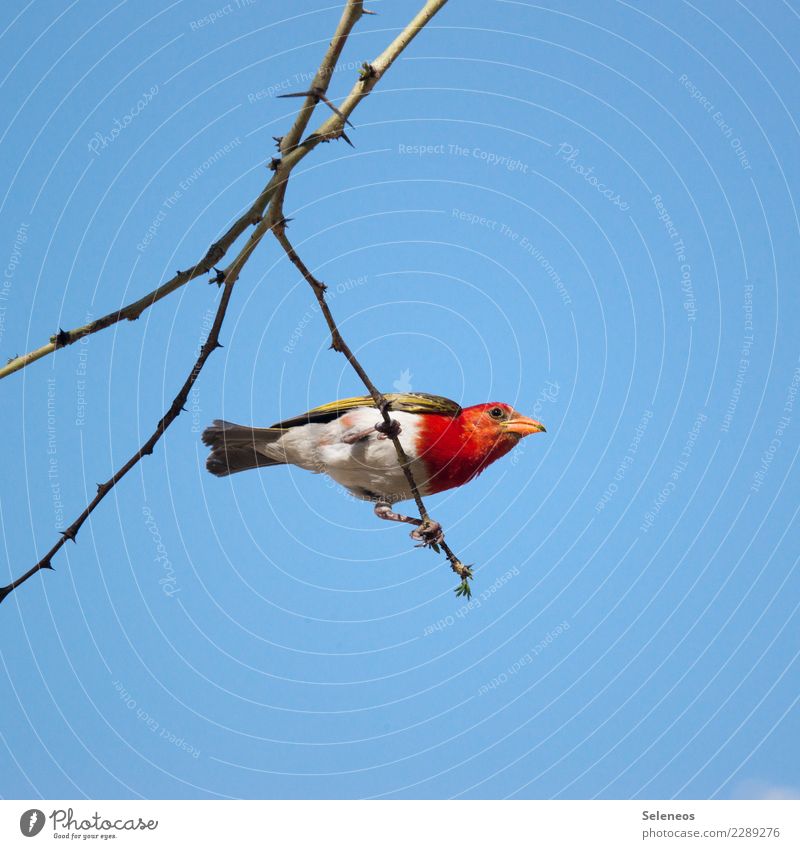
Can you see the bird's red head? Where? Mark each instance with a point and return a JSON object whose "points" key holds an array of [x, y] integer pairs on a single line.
{"points": [[457, 449], [495, 422]]}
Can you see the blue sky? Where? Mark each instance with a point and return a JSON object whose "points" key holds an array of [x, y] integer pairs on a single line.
{"points": [[587, 210]]}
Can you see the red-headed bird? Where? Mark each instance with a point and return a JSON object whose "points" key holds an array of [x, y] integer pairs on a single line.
{"points": [[447, 445]]}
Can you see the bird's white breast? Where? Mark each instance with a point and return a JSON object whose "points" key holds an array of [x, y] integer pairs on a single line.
{"points": [[367, 467]]}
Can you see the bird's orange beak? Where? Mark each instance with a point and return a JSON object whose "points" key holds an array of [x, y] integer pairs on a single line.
{"points": [[523, 426]]}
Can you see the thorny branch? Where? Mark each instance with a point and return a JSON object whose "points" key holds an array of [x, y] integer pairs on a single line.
{"points": [[292, 151], [104, 488]]}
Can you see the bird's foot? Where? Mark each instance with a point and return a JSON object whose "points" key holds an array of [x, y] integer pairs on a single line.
{"points": [[356, 435], [428, 535], [384, 432], [388, 431]]}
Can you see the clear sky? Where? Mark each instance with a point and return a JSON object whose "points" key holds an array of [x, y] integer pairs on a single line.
{"points": [[585, 209]]}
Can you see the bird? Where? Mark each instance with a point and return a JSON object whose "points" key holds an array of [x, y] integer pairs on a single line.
{"points": [[447, 446]]}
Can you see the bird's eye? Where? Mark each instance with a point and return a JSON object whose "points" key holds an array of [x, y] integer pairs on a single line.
{"points": [[496, 412]]}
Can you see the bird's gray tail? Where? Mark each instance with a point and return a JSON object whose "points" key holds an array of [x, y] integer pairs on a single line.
{"points": [[235, 448]]}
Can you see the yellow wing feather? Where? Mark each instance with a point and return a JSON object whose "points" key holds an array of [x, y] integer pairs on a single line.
{"points": [[409, 402]]}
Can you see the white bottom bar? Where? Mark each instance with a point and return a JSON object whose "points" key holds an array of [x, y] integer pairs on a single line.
{"points": [[404, 824]]}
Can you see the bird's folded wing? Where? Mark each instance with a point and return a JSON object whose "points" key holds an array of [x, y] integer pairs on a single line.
{"points": [[410, 402]]}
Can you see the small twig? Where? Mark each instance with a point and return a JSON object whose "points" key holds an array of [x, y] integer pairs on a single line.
{"points": [[338, 344], [133, 310]]}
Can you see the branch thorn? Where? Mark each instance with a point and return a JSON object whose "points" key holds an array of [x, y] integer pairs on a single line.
{"points": [[61, 338], [319, 95]]}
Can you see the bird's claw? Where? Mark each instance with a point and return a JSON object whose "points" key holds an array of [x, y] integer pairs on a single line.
{"points": [[388, 431], [428, 535]]}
